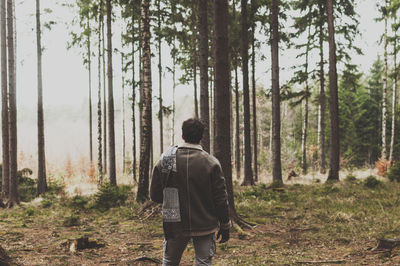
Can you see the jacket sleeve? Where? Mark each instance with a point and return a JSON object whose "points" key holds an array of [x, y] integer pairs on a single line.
{"points": [[156, 187], [220, 196]]}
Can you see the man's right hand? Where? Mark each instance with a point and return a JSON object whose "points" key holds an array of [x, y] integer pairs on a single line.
{"points": [[225, 235]]}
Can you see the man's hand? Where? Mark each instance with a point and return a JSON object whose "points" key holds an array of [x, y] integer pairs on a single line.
{"points": [[225, 235]]}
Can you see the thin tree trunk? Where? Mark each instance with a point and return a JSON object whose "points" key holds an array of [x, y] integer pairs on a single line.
{"points": [[146, 128], [305, 119], [322, 100], [90, 96], [173, 91], [248, 174], [13, 192], [203, 60], [4, 110], [194, 56], [276, 121], [333, 100], [104, 91], [237, 135], [123, 115], [385, 86], [133, 98], [42, 183], [212, 106], [394, 96], [99, 113], [254, 92], [160, 98], [111, 137]]}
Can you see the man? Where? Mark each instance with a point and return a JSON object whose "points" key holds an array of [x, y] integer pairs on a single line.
{"points": [[189, 183]]}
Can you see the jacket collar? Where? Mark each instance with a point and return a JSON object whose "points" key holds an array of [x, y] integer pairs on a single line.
{"points": [[191, 146]]}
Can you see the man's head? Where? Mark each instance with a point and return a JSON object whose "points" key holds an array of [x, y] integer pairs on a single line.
{"points": [[192, 130]]}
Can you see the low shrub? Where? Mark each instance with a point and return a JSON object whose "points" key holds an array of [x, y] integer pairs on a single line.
{"points": [[71, 220], [350, 178], [78, 202], [394, 172], [372, 182], [110, 196]]}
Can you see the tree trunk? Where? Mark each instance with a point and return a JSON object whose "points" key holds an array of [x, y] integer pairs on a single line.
{"points": [[4, 111], [111, 137], [133, 98], [248, 174], [194, 56], [13, 192], [237, 120], [99, 113], [104, 91], [173, 91], [123, 115], [333, 100], [394, 96], [146, 128], [222, 138], [203, 60], [385, 86], [42, 183], [305, 119], [254, 91], [322, 100], [90, 96], [160, 98], [276, 120]]}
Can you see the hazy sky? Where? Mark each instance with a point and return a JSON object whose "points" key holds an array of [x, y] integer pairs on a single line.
{"points": [[65, 78]]}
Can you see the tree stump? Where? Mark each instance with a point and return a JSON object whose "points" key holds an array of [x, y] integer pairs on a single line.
{"points": [[82, 243], [4, 258], [387, 243]]}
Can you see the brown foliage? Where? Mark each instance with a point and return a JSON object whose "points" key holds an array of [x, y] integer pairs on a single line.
{"points": [[382, 165]]}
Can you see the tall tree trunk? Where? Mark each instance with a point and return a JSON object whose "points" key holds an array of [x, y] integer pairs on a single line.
{"points": [[394, 96], [133, 97], [90, 96], [254, 90], [13, 193], [385, 86], [146, 128], [276, 120], [212, 106], [333, 100], [248, 174], [203, 60], [99, 113], [4, 100], [173, 91], [160, 98], [111, 133], [194, 56], [42, 183], [305, 111], [237, 120], [222, 138], [123, 115], [105, 155], [322, 98]]}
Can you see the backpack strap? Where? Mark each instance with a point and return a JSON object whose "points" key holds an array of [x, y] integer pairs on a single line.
{"points": [[168, 163]]}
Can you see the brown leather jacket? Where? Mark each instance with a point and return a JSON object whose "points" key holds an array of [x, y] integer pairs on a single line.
{"points": [[203, 197]]}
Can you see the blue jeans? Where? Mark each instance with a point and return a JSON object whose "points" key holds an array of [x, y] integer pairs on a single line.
{"points": [[204, 248]]}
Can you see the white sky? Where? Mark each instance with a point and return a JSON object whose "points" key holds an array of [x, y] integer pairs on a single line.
{"points": [[66, 83]]}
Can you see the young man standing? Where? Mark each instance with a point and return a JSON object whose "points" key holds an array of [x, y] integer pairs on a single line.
{"points": [[189, 183]]}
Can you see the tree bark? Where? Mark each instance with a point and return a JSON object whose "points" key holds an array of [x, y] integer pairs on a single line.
{"points": [[4, 111], [13, 193], [146, 128], [333, 100], [203, 61], [248, 174], [105, 155], [160, 98], [90, 96], [111, 132], [276, 120], [322, 98], [42, 183], [385, 86], [394, 97], [222, 112], [123, 115], [99, 113], [254, 91], [194, 56], [133, 97], [237, 120]]}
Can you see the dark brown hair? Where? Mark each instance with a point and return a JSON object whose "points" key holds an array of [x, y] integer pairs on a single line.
{"points": [[192, 130]]}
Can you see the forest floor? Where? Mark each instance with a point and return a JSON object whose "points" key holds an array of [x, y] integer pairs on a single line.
{"points": [[299, 224]]}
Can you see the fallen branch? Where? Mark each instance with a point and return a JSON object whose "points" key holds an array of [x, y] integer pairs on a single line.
{"points": [[154, 260], [387, 243]]}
